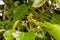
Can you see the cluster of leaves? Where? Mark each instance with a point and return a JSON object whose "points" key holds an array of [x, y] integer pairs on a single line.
{"points": [[31, 20]]}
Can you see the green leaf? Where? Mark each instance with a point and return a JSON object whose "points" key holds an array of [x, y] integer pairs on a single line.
{"points": [[20, 11], [24, 36], [53, 30], [55, 18], [10, 12], [38, 3], [46, 16], [30, 2], [8, 35]]}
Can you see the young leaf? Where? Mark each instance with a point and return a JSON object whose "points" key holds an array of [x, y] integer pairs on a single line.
{"points": [[8, 35]]}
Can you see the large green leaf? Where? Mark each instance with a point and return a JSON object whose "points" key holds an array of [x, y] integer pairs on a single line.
{"points": [[20, 11], [53, 30], [8, 35], [24, 36]]}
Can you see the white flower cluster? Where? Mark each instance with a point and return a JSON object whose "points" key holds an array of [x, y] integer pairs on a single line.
{"points": [[1, 2]]}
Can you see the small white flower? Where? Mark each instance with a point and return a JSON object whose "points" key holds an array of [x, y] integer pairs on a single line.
{"points": [[49, 2], [38, 3], [38, 27], [27, 1], [0, 14], [58, 3], [1, 2]]}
